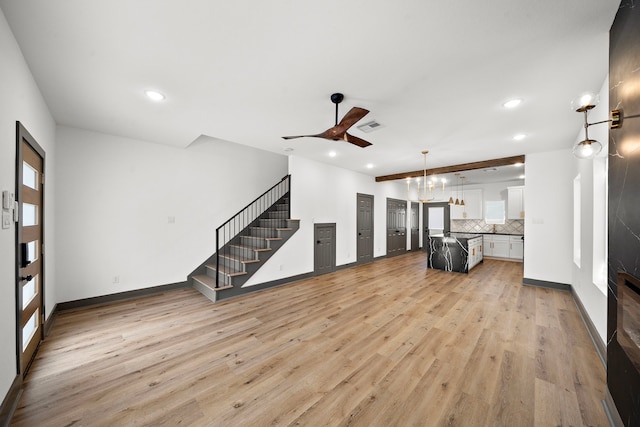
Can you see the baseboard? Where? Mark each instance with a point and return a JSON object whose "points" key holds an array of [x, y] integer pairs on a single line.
{"points": [[236, 292], [10, 402], [497, 258], [120, 296], [601, 348], [50, 321], [611, 411], [351, 264], [545, 284]]}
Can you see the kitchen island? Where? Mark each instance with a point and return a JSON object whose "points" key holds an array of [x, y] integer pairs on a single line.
{"points": [[458, 252]]}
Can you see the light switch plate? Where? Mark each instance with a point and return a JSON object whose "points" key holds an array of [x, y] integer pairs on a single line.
{"points": [[7, 199], [6, 220]]}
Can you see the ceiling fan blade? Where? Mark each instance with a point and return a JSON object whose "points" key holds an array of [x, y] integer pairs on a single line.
{"points": [[356, 141], [349, 119], [339, 131], [334, 134], [296, 136], [327, 134]]}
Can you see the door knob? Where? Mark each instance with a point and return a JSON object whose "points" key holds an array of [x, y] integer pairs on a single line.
{"points": [[318, 241], [26, 279]]}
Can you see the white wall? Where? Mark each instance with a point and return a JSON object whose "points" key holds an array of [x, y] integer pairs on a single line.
{"points": [[324, 193], [549, 220], [21, 100], [117, 195], [550, 217], [592, 210]]}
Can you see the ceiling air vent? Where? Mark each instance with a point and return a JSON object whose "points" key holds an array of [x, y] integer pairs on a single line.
{"points": [[369, 126]]}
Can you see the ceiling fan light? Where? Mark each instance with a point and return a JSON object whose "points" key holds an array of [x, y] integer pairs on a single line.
{"points": [[587, 149]]}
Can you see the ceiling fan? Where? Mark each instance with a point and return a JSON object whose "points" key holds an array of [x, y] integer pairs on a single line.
{"points": [[339, 131]]}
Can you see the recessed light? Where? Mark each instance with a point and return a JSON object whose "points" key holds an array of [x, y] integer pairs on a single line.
{"points": [[518, 164], [512, 103], [288, 149], [519, 137], [332, 154], [154, 95], [370, 166]]}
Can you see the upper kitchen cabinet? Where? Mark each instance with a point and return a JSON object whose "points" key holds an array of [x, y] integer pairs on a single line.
{"points": [[472, 208], [515, 202]]}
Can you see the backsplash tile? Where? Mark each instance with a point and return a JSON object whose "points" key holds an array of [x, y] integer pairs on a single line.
{"points": [[511, 226]]}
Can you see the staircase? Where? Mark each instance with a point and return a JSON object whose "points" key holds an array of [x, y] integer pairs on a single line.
{"points": [[245, 242]]}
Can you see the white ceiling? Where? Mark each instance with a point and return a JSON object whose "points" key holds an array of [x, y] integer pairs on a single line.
{"points": [[434, 73]]}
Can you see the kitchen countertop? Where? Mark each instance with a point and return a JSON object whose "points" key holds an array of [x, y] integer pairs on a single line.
{"points": [[502, 234], [458, 235]]}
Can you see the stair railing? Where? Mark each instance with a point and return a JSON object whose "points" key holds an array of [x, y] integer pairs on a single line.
{"points": [[243, 219]]}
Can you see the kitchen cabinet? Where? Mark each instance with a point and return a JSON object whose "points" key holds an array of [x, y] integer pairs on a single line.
{"points": [[515, 202], [496, 245], [475, 251], [504, 246], [472, 208], [516, 247]]}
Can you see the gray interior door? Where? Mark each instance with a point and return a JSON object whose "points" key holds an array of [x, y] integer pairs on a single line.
{"points": [[324, 255], [364, 225], [415, 226], [396, 227]]}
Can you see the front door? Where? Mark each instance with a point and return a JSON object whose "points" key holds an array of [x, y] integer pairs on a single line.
{"points": [[30, 278], [324, 255], [364, 224]]}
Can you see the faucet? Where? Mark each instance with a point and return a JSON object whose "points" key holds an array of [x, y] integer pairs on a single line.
{"points": [[494, 228]]}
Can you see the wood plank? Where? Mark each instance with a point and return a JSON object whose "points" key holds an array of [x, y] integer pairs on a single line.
{"points": [[384, 343], [505, 161]]}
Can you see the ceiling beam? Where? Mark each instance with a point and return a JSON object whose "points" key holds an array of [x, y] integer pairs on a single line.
{"points": [[505, 161]]}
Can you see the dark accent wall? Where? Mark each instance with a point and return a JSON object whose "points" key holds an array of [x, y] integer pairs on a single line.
{"points": [[623, 379]]}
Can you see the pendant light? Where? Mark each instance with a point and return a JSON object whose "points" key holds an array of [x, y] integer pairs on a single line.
{"points": [[462, 196], [457, 202], [424, 182], [451, 194], [408, 189]]}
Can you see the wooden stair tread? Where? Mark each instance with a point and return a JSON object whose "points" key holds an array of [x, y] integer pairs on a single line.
{"points": [[250, 248], [264, 238], [210, 282], [226, 271], [240, 259]]}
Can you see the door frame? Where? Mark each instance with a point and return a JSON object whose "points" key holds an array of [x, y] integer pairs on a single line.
{"points": [[22, 135], [333, 241], [369, 196], [425, 220], [413, 247]]}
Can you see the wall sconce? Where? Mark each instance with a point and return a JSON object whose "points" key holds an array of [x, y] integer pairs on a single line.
{"points": [[589, 148]]}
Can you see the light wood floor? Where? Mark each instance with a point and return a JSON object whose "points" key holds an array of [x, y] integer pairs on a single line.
{"points": [[384, 344]]}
